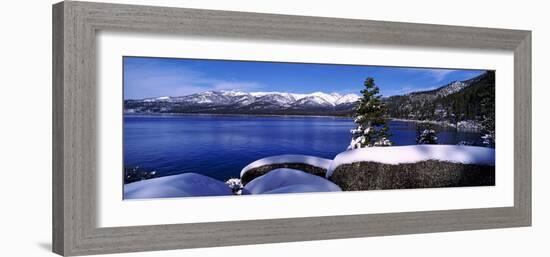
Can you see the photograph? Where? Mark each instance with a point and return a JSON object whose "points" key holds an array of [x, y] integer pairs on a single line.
{"points": [[202, 127]]}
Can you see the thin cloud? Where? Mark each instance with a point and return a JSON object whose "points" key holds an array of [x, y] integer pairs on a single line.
{"points": [[406, 90], [440, 74], [236, 85], [437, 74], [145, 81]]}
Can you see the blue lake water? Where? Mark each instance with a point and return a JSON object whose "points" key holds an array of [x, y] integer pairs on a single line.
{"points": [[219, 146]]}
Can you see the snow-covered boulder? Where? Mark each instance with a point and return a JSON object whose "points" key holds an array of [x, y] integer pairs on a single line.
{"points": [[289, 181], [415, 166], [182, 185], [310, 164]]}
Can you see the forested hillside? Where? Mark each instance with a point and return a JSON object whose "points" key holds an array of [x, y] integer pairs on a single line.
{"points": [[469, 100]]}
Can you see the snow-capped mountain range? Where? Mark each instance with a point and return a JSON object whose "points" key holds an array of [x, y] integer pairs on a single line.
{"points": [[238, 102], [243, 98]]}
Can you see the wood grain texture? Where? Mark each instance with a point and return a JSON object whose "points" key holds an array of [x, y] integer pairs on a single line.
{"points": [[522, 129], [58, 216], [75, 24]]}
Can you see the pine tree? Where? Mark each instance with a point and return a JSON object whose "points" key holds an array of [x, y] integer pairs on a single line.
{"points": [[426, 134], [370, 119]]}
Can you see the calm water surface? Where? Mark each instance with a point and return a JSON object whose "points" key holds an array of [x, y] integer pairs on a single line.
{"points": [[219, 146]]}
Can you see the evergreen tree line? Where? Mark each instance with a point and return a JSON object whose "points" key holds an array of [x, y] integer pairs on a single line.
{"points": [[459, 106]]}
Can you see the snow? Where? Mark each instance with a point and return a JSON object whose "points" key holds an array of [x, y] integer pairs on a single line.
{"points": [[233, 93], [187, 184], [349, 98], [329, 98], [160, 98], [415, 153], [235, 184], [287, 95], [357, 142], [452, 88], [204, 99], [288, 158], [280, 99], [314, 100], [383, 142], [260, 94], [289, 181]]}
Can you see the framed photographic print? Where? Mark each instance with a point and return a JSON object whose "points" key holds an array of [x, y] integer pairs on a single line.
{"points": [[193, 127], [183, 128]]}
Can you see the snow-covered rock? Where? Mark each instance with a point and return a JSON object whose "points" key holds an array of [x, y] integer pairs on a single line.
{"points": [[288, 158], [415, 153], [187, 184], [309, 164], [289, 181]]}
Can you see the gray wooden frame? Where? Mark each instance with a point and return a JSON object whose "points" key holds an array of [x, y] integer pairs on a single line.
{"points": [[74, 129]]}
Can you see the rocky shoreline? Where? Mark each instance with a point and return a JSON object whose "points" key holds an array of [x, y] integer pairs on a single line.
{"points": [[467, 125], [372, 168]]}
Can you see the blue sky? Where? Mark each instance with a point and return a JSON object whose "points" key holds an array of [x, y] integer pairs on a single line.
{"points": [[151, 77]]}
